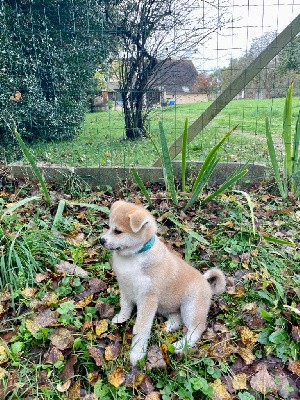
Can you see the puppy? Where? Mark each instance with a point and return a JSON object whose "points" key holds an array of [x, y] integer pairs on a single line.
{"points": [[156, 280]]}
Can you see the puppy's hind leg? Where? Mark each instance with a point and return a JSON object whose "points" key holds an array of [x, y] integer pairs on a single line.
{"points": [[194, 314]]}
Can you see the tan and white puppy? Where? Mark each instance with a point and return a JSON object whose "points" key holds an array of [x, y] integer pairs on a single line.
{"points": [[156, 280]]}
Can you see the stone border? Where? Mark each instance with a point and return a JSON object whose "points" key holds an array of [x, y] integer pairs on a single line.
{"points": [[115, 176]]}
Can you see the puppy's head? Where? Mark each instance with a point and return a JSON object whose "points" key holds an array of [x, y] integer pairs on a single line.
{"points": [[130, 228]]}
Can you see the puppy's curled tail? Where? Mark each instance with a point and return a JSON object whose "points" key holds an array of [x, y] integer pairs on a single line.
{"points": [[216, 279]]}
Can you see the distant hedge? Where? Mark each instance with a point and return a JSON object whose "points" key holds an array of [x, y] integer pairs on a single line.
{"points": [[49, 51]]}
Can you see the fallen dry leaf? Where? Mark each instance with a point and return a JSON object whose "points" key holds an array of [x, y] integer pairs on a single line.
{"points": [[68, 371], [155, 358], [43, 319], [49, 299], [165, 353], [40, 277], [134, 378], [296, 333], [4, 354], [246, 355], [248, 337], [236, 291], [147, 386], [93, 377], [66, 268], [53, 355], [29, 292], [97, 285], [62, 338], [97, 355], [262, 381], [294, 366], [91, 396], [105, 310], [84, 302], [101, 327], [74, 392], [220, 392], [117, 377], [3, 373], [11, 384], [63, 387], [239, 381], [221, 350], [153, 396], [112, 351]]}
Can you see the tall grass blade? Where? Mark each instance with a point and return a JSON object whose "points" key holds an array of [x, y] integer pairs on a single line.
{"points": [[34, 166], [141, 185], [237, 175], [59, 215], [184, 154], [167, 163], [281, 187], [19, 204], [287, 133], [92, 206], [250, 205], [273, 239]]}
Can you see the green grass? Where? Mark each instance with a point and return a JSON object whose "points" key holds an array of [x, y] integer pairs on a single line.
{"points": [[101, 140]]}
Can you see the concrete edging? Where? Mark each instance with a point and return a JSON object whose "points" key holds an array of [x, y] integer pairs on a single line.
{"points": [[114, 176]]}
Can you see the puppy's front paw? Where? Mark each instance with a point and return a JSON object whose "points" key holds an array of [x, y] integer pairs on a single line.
{"points": [[136, 355], [119, 319]]}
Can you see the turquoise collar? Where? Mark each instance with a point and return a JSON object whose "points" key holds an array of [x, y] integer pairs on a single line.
{"points": [[148, 245]]}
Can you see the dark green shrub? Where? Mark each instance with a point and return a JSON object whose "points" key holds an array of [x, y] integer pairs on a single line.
{"points": [[49, 51]]}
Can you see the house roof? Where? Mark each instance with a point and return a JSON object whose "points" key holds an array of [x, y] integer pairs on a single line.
{"points": [[175, 75]]}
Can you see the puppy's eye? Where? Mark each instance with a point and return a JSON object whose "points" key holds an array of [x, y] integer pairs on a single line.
{"points": [[117, 231]]}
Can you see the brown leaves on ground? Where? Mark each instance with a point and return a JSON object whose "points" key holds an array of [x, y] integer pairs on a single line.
{"points": [[62, 338], [66, 268], [155, 358], [43, 319], [105, 348], [262, 381], [220, 392], [117, 377]]}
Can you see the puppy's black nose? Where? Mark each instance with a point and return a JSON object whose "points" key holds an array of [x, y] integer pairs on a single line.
{"points": [[102, 241]]}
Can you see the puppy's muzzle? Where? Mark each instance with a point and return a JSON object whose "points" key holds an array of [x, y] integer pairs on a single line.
{"points": [[102, 241]]}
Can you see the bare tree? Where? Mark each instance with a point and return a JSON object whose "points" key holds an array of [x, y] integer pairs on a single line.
{"points": [[151, 32]]}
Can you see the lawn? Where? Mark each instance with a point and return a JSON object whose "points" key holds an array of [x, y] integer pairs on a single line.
{"points": [[58, 296], [101, 139]]}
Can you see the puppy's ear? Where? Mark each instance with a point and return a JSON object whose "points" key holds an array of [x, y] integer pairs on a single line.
{"points": [[138, 219]]}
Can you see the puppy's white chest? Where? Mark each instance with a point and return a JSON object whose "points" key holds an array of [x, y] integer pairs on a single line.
{"points": [[131, 276]]}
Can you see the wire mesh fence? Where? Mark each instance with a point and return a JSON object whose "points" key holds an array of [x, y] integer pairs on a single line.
{"points": [[96, 115]]}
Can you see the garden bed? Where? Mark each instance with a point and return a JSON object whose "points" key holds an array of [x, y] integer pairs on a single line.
{"points": [[59, 295]]}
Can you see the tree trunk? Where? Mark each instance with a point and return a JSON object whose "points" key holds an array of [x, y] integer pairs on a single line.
{"points": [[133, 115]]}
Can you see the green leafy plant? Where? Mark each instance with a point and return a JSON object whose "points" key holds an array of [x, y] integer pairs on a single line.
{"points": [[24, 252], [167, 165], [287, 175], [208, 167], [33, 164]]}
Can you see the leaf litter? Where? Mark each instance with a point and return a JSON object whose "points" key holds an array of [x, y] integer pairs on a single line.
{"points": [[251, 345]]}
